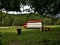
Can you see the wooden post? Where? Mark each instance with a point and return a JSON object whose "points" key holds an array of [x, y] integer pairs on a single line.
{"points": [[19, 31], [42, 29]]}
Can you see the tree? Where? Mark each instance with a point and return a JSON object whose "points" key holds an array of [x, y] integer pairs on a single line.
{"points": [[6, 21], [45, 7], [34, 17], [0, 18], [47, 21], [10, 5], [58, 21], [17, 21]]}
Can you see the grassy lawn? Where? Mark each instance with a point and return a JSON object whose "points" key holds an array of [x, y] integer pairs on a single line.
{"points": [[30, 36]]}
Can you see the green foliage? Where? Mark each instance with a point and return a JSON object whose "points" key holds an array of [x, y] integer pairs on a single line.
{"points": [[7, 21], [47, 21], [19, 20], [10, 5], [44, 7], [58, 21], [34, 17], [51, 7]]}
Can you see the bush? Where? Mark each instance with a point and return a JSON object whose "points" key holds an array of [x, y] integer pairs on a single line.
{"points": [[58, 22]]}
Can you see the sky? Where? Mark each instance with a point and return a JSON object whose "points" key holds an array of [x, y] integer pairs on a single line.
{"points": [[22, 7]]}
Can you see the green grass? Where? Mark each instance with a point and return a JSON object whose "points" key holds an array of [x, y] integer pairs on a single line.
{"points": [[30, 36]]}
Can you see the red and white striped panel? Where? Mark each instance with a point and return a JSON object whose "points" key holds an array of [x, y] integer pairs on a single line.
{"points": [[33, 24]]}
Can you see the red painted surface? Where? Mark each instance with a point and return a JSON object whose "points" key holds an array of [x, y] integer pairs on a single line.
{"points": [[34, 21], [25, 25], [31, 21]]}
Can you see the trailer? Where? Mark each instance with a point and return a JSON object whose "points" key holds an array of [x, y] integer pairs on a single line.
{"points": [[33, 24]]}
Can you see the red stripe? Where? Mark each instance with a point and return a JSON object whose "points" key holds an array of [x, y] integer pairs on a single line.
{"points": [[25, 25], [34, 21]]}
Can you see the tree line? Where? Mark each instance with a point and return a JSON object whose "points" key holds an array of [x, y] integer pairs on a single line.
{"points": [[19, 19], [43, 7]]}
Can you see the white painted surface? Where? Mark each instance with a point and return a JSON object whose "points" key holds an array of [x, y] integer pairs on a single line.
{"points": [[34, 25]]}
